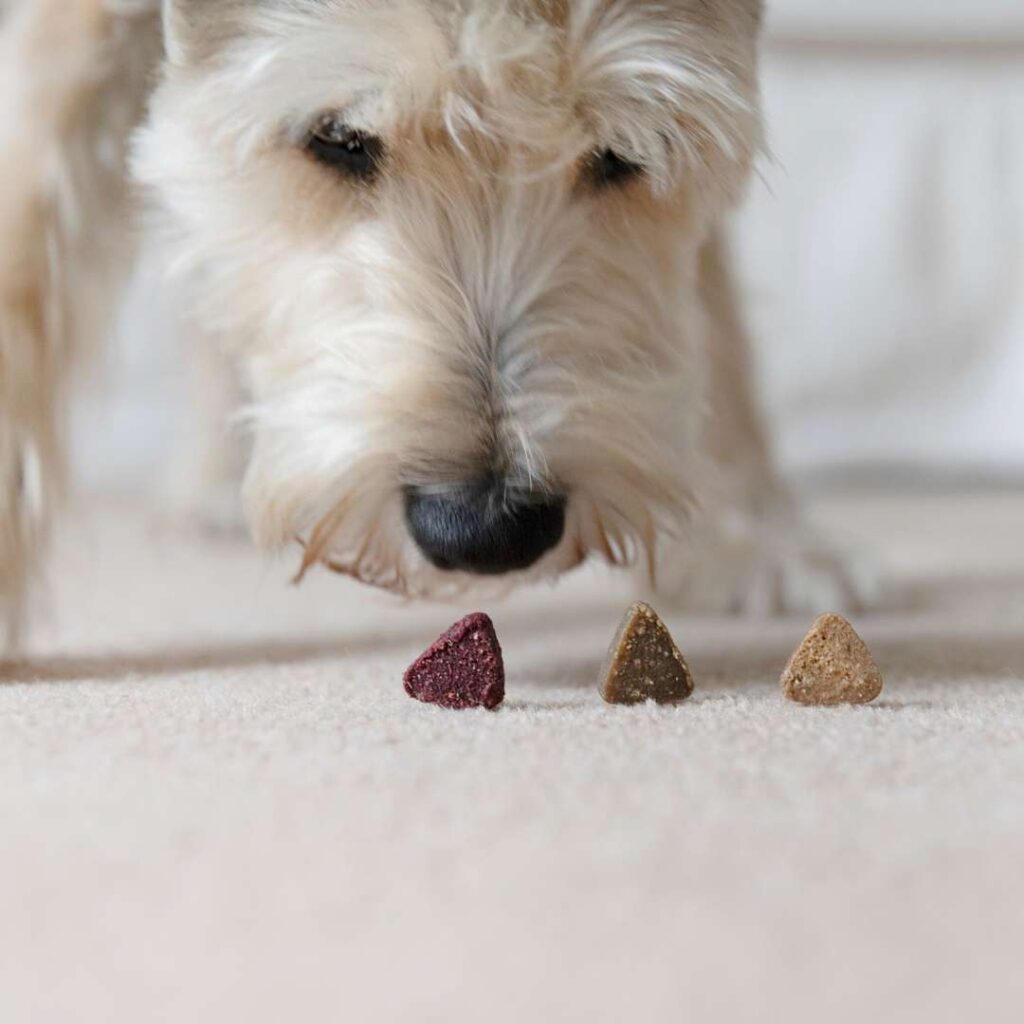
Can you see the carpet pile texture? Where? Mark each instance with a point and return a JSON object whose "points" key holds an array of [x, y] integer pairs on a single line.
{"points": [[218, 804]]}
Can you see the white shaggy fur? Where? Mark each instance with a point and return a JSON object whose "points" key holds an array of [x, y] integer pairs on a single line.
{"points": [[477, 306]]}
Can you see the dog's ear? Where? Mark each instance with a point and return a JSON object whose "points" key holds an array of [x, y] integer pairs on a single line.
{"points": [[193, 29]]}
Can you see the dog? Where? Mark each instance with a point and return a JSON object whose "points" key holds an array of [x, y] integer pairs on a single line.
{"points": [[457, 268]]}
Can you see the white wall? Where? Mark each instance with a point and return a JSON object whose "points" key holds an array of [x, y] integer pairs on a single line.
{"points": [[887, 21], [884, 252]]}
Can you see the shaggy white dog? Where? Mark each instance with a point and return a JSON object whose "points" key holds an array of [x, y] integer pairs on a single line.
{"points": [[463, 257]]}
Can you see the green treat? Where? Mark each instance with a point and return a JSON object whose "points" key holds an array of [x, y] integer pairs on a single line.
{"points": [[644, 663]]}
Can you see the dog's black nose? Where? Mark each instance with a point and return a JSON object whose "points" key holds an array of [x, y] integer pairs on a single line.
{"points": [[481, 529]]}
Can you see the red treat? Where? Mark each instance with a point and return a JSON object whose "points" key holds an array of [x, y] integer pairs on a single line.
{"points": [[463, 669]]}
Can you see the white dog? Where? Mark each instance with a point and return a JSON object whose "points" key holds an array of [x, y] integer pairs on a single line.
{"points": [[463, 256]]}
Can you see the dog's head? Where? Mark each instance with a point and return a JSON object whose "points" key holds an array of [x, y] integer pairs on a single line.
{"points": [[453, 245]]}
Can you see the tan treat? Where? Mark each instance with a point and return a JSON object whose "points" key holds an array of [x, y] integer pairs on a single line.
{"points": [[644, 663], [832, 666]]}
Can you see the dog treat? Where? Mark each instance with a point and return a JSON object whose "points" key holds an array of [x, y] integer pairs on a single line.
{"points": [[644, 663], [832, 666], [462, 669]]}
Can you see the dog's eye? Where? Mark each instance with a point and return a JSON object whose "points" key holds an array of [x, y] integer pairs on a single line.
{"points": [[606, 169], [353, 152]]}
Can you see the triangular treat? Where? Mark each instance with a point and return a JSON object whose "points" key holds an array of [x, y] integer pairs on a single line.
{"points": [[644, 663], [832, 666], [463, 669]]}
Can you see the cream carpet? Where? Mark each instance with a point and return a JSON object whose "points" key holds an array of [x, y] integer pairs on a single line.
{"points": [[216, 803]]}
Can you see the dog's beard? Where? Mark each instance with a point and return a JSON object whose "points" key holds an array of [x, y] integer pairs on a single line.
{"points": [[366, 539], [343, 502], [470, 329], [349, 515]]}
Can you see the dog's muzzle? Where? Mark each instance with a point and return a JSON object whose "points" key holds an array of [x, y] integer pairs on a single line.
{"points": [[479, 528]]}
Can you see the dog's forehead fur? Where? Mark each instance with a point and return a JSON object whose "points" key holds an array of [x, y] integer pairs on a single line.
{"points": [[198, 29], [573, 74], [218, 19]]}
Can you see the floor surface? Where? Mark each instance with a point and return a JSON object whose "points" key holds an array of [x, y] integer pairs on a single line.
{"points": [[217, 804]]}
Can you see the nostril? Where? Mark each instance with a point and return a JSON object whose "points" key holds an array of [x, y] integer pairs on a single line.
{"points": [[480, 530]]}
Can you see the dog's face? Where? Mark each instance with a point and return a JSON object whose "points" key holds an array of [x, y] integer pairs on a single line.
{"points": [[453, 244]]}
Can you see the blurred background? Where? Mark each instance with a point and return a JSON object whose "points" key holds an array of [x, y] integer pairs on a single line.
{"points": [[882, 251]]}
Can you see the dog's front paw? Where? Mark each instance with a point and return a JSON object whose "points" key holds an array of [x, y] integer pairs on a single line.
{"points": [[768, 566], [804, 573], [201, 493], [213, 514]]}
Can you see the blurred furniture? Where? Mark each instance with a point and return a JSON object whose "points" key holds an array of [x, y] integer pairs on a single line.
{"points": [[884, 250]]}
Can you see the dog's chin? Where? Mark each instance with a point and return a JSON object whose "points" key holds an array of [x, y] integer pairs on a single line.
{"points": [[413, 577], [370, 542], [406, 573]]}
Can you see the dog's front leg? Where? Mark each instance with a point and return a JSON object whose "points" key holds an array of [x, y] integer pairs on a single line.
{"points": [[71, 84], [35, 104], [205, 481], [752, 548]]}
